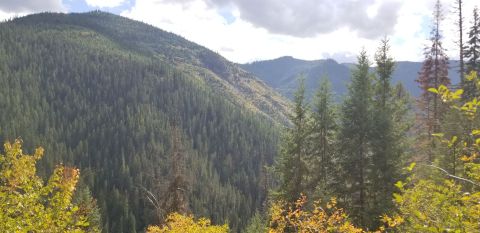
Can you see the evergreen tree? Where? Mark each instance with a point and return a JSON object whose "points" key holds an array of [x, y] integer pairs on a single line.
{"points": [[384, 70], [292, 165], [355, 152], [386, 133], [323, 139], [472, 50], [434, 72], [88, 206], [257, 224]]}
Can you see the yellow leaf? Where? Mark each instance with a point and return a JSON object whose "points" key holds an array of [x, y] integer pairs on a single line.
{"points": [[433, 90], [411, 166]]}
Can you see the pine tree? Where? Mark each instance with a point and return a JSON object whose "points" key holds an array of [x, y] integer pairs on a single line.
{"points": [[323, 138], [385, 134], [472, 53], [472, 50], [87, 205], [355, 152], [292, 162], [434, 72], [384, 71]]}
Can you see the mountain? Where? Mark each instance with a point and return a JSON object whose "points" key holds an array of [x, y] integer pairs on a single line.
{"points": [[281, 74], [98, 91]]}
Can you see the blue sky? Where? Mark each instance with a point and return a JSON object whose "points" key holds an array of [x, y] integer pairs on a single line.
{"points": [[82, 6], [250, 30]]}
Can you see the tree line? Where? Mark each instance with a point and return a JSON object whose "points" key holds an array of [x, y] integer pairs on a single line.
{"points": [[390, 163]]}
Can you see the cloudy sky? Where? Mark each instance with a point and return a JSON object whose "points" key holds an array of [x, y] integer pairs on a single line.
{"points": [[250, 30]]}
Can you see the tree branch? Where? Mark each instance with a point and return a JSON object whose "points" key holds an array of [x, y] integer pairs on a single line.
{"points": [[452, 176]]}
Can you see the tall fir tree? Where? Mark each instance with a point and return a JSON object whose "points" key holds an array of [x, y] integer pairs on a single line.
{"points": [[292, 166], [323, 139], [386, 132], [88, 205], [472, 49], [434, 72], [355, 153], [472, 53]]}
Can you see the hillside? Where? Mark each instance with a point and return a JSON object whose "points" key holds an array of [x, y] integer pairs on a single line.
{"points": [[98, 91], [281, 74]]}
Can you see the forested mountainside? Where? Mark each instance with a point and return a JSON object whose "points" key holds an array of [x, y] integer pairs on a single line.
{"points": [[98, 91], [282, 73]]}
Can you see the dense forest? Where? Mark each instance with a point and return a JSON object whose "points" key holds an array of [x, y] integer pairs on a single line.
{"points": [[68, 85], [111, 125]]}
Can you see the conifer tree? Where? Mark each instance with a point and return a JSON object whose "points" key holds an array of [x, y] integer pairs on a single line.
{"points": [[472, 51], [386, 132], [385, 67], [434, 72], [292, 162], [323, 138], [87, 205], [355, 152]]}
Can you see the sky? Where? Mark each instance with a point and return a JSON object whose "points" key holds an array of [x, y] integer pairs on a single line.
{"points": [[253, 30]]}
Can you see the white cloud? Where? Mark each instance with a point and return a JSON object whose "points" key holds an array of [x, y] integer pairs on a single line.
{"points": [[10, 15], [14, 8], [19, 6], [450, 29], [306, 18], [241, 41], [104, 3]]}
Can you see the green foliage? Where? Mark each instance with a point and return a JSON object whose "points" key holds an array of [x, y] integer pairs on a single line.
{"points": [[256, 224], [87, 206], [29, 205], [429, 206], [472, 48], [98, 90], [354, 157], [323, 142], [372, 140], [387, 135], [446, 200], [292, 164]]}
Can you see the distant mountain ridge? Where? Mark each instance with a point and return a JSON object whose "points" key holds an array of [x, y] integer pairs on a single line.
{"points": [[282, 73]]}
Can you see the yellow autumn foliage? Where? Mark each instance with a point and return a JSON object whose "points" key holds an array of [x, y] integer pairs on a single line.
{"points": [[29, 205], [177, 223], [296, 218]]}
